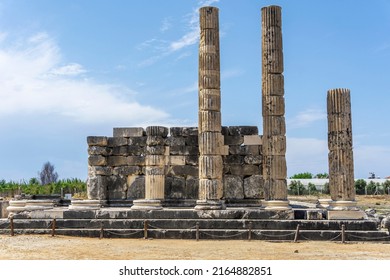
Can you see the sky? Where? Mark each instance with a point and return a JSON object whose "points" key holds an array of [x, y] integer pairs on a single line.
{"points": [[71, 69]]}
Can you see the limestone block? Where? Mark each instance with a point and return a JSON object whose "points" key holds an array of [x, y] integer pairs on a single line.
{"points": [[274, 125], [155, 150], [175, 187], [183, 170], [243, 130], [137, 141], [184, 150], [135, 150], [233, 140], [183, 131], [339, 122], [253, 159], [225, 150], [249, 169], [209, 121], [273, 61], [210, 167], [117, 161], [233, 169], [175, 141], [340, 140], [97, 160], [254, 187], [157, 131], [136, 160], [191, 140], [155, 160], [99, 150], [253, 140], [346, 215], [154, 186], [210, 143], [225, 130], [117, 188], [209, 17], [233, 159], [233, 187], [135, 187], [127, 170], [97, 187], [274, 145], [154, 170], [100, 170], [177, 160], [155, 140], [274, 167], [209, 102], [192, 187], [120, 151], [117, 141], [128, 131], [273, 84], [339, 101], [97, 141], [191, 160]]}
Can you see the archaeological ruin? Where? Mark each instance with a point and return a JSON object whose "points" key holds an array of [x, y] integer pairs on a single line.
{"points": [[210, 181]]}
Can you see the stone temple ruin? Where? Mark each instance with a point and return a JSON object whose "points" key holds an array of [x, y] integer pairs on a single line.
{"points": [[210, 181]]}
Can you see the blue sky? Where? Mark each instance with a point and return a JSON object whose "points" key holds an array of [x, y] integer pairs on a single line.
{"points": [[71, 68]]}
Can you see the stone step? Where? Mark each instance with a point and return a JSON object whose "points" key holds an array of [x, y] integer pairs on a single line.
{"points": [[217, 234], [355, 225]]}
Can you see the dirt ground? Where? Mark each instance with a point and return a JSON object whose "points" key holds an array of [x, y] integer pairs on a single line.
{"points": [[44, 247], [40, 247]]}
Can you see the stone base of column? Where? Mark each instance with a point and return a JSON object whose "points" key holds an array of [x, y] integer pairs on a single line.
{"points": [[40, 204], [16, 206], [323, 203], [210, 205], [345, 210], [275, 205], [87, 204], [147, 204]]}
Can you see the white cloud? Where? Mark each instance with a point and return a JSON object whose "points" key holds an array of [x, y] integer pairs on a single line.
{"points": [[307, 118], [72, 69], [166, 24], [33, 83]]}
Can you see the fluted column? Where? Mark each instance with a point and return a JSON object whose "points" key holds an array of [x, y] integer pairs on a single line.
{"points": [[274, 127], [154, 169], [341, 170], [210, 137]]}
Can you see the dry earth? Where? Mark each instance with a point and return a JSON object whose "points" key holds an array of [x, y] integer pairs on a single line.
{"points": [[43, 247]]}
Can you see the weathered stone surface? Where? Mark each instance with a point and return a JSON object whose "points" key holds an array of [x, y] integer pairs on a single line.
{"points": [[176, 141], [184, 150], [135, 150], [253, 140], [183, 170], [155, 150], [191, 160], [233, 140], [177, 160], [244, 150], [341, 169], [117, 161], [233, 187], [99, 150], [97, 141], [175, 187], [192, 187], [135, 187], [155, 160], [254, 187], [191, 140], [157, 131], [120, 151], [97, 187], [210, 167], [127, 170], [248, 169], [243, 130], [275, 188], [233, 159], [128, 132], [183, 131], [137, 141], [253, 159], [117, 188], [100, 170], [154, 170], [117, 141], [274, 145], [209, 121], [274, 167], [97, 160], [155, 140], [136, 160]]}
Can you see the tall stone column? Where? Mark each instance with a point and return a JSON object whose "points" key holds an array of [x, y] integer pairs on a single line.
{"points": [[154, 169], [341, 171], [274, 127], [210, 137]]}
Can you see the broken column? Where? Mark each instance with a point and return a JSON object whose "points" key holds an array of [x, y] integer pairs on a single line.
{"points": [[341, 173], [210, 137], [154, 169], [274, 127]]}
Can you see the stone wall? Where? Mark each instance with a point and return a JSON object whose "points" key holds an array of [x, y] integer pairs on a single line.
{"points": [[116, 165]]}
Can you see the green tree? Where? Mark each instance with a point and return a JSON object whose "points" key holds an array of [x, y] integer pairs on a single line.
{"points": [[322, 176], [360, 186], [296, 187], [386, 186], [311, 188], [326, 190], [47, 174], [305, 175]]}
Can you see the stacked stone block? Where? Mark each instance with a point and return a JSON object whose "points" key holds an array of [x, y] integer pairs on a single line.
{"points": [[118, 166], [274, 128]]}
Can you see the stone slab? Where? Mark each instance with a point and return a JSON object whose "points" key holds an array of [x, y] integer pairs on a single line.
{"points": [[128, 131], [346, 215]]}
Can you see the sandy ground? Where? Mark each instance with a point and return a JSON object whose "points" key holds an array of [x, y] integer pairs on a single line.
{"points": [[42, 247]]}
